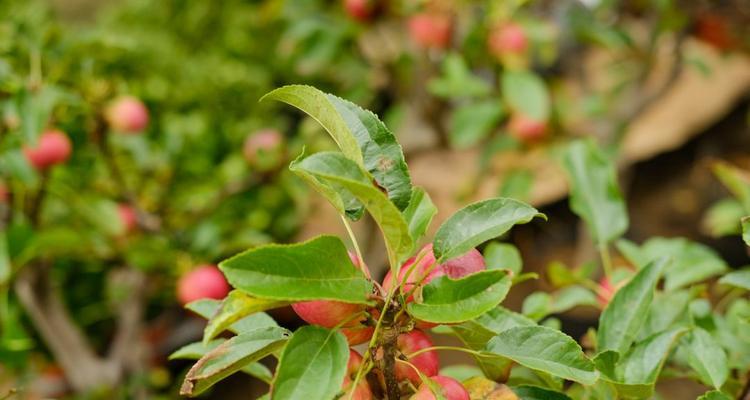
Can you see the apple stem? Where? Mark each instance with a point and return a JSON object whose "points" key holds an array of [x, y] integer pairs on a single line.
{"points": [[606, 260], [353, 238]]}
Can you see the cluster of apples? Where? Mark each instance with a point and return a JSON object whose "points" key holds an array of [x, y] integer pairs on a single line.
{"points": [[507, 41], [414, 274]]}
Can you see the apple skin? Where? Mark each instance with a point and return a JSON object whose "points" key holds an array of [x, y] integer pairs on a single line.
{"points": [[362, 391], [206, 281], [431, 30], [427, 362], [127, 217], [329, 314], [3, 193], [127, 114], [264, 149], [53, 147], [713, 29], [507, 39], [466, 264], [360, 10], [526, 129], [451, 389]]}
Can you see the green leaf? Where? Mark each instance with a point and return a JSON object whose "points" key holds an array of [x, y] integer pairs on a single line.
{"points": [[715, 395], [236, 306], [707, 358], [194, 351], [419, 214], [362, 137], [478, 223], [335, 169], [624, 315], [594, 193], [740, 279], [527, 392], [541, 304], [546, 350], [517, 183], [457, 80], [319, 269], [5, 266], [460, 372], [746, 230], [446, 300], [503, 256], [526, 93], [340, 198], [666, 309], [231, 356], [736, 180], [471, 123], [318, 105], [723, 218], [476, 333], [691, 261], [312, 365], [537, 305]]}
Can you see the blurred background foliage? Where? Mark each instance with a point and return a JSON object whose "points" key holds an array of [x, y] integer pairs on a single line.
{"points": [[493, 82]]}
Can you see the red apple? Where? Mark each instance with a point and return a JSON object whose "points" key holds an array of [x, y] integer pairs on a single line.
{"points": [[466, 264], [450, 388], [128, 217], [360, 10], [431, 30], [526, 129], [507, 39], [53, 147], [330, 314], [264, 149], [362, 391], [427, 362], [3, 193], [127, 114], [411, 274], [206, 281]]}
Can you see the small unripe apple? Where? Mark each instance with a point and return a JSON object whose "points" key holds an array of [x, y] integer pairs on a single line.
{"points": [[329, 314], [127, 114], [431, 30], [507, 39], [526, 129], [53, 147], [264, 149], [427, 362], [128, 217], [362, 391], [360, 10], [450, 388], [206, 281]]}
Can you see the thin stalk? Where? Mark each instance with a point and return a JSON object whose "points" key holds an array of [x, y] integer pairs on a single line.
{"points": [[349, 230], [461, 349], [606, 260]]}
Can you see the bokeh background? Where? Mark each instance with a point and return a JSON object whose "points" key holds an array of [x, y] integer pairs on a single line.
{"points": [[482, 95]]}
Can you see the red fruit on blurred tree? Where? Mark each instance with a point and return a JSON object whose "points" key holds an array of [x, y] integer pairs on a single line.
{"points": [[127, 114], [53, 147], [526, 129], [264, 149], [506, 39], [431, 30], [128, 217], [360, 10], [450, 388], [206, 281]]}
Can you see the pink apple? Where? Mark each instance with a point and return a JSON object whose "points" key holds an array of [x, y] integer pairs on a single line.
{"points": [[466, 264], [330, 314], [360, 10], [127, 114], [206, 281], [362, 391], [427, 362], [450, 388], [53, 147], [3, 193], [128, 217], [526, 129], [264, 149], [431, 30], [507, 39]]}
